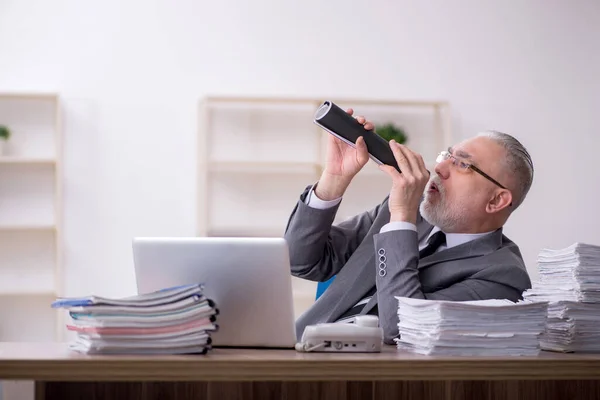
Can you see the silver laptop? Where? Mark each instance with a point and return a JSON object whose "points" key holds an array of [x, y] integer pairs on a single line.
{"points": [[248, 278]]}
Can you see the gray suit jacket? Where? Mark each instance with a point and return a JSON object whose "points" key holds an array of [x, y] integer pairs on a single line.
{"points": [[490, 267]]}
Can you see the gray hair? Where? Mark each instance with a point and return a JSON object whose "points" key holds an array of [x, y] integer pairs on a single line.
{"points": [[518, 161]]}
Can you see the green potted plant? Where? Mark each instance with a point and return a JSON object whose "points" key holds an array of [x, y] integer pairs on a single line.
{"points": [[4, 136], [390, 131]]}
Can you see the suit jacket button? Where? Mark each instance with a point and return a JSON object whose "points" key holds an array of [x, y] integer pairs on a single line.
{"points": [[381, 252]]}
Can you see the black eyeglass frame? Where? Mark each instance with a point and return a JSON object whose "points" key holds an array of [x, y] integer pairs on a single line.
{"points": [[448, 153]]}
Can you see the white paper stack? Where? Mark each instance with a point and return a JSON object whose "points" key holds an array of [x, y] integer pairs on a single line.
{"points": [[572, 327], [176, 320], [572, 273], [470, 328], [569, 279]]}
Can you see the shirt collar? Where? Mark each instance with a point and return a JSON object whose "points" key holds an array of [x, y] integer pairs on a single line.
{"points": [[455, 239]]}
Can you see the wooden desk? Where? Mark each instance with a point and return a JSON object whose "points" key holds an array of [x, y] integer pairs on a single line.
{"points": [[278, 374]]}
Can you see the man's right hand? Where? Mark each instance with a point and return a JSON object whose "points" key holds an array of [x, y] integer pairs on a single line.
{"points": [[342, 164]]}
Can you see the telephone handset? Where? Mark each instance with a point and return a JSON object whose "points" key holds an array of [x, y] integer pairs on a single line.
{"points": [[339, 123], [363, 336]]}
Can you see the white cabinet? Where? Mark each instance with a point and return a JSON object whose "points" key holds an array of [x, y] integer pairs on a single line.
{"points": [[30, 217]]}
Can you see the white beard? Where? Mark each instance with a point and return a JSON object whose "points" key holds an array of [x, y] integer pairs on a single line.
{"points": [[449, 218]]}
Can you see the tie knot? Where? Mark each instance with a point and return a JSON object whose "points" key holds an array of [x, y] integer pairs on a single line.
{"points": [[433, 243], [437, 239]]}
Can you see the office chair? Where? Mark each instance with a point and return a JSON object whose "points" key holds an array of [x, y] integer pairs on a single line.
{"points": [[321, 286]]}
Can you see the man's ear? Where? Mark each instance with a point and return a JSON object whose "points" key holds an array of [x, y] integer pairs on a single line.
{"points": [[501, 200]]}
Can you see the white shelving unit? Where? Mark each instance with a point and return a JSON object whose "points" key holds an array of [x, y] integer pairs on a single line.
{"points": [[257, 154], [31, 218]]}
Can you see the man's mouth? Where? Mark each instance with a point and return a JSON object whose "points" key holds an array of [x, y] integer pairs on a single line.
{"points": [[433, 187]]}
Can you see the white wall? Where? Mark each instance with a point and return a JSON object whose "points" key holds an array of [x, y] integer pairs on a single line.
{"points": [[131, 72]]}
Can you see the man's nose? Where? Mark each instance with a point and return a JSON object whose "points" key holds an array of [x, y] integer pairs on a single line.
{"points": [[443, 169]]}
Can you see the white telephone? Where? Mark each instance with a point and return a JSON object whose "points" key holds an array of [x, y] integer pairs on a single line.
{"points": [[363, 336]]}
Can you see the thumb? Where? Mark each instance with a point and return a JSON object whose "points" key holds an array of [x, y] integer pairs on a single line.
{"points": [[363, 152]]}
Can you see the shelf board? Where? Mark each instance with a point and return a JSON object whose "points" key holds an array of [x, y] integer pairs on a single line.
{"points": [[32, 291], [317, 100], [264, 167], [25, 286], [27, 227], [28, 95], [27, 160]]}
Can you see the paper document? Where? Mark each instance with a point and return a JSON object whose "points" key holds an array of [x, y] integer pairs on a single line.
{"points": [[470, 328], [569, 278], [176, 320]]}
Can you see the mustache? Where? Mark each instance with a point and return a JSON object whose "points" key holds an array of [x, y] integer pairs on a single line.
{"points": [[437, 181]]}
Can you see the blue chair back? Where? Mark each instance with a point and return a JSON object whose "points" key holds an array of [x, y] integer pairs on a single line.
{"points": [[321, 286]]}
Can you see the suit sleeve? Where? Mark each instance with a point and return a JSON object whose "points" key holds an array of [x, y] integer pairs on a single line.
{"points": [[398, 255], [319, 249]]}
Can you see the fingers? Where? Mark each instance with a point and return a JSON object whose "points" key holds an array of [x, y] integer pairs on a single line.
{"points": [[422, 165], [410, 163], [419, 162], [412, 159], [361, 120], [401, 158], [364, 122]]}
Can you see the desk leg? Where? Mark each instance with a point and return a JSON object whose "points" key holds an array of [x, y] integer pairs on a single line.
{"points": [[397, 390]]}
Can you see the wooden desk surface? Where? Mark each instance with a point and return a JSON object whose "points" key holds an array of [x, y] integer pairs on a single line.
{"points": [[55, 362]]}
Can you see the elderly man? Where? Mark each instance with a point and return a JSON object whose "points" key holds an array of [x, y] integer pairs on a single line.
{"points": [[435, 236]]}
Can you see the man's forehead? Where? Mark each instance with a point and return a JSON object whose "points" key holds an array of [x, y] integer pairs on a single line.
{"points": [[476, 149]]}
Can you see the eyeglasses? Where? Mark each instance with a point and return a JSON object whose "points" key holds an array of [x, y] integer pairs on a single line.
{"points": [[464, 166]]}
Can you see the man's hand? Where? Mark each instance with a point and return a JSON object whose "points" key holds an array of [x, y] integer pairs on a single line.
{"points": [[343, 163], [408, 185]]}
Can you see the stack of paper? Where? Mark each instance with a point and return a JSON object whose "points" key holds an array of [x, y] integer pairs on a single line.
{"points": [[470, 328], [569, 279], [572, 273], [572, 327], [171, 321]]}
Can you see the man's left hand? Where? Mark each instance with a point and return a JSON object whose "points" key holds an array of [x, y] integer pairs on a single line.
{"points": [[408, 185]]}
